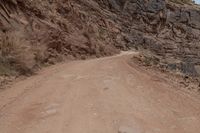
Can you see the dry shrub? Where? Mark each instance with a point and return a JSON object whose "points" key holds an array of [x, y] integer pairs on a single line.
{"points": [[183, 1], [15, 55]]}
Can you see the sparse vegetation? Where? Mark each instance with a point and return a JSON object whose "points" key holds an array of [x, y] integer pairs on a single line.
{"points": [[182, 1], [15, 55]]}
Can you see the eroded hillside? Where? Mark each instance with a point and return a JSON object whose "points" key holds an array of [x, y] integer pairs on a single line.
{"points": [[46, 31]]}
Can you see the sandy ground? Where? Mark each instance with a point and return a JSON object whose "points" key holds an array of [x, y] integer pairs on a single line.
{"points": [[97, 96]]}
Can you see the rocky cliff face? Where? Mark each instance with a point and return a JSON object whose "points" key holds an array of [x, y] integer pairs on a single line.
{"points": [[94, 28], [167, 29]]}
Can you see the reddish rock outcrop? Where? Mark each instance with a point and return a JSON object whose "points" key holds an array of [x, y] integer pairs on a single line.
{"points": [[94, 28]]}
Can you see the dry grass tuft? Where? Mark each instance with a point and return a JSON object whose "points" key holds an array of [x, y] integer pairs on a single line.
{"points": [[15, 55], [183, 1]]}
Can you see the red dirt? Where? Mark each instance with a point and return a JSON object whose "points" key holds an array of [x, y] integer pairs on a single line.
{"points": [[98, 95]]}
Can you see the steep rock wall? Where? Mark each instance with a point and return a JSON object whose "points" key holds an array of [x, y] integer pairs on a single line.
{"points": [[94, 28], [167, 29]]}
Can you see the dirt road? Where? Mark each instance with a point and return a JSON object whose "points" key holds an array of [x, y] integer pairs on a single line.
{"points": [[97, 96]]}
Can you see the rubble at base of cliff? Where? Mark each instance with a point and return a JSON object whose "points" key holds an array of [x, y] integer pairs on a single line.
{"points": [[174, 70]]}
